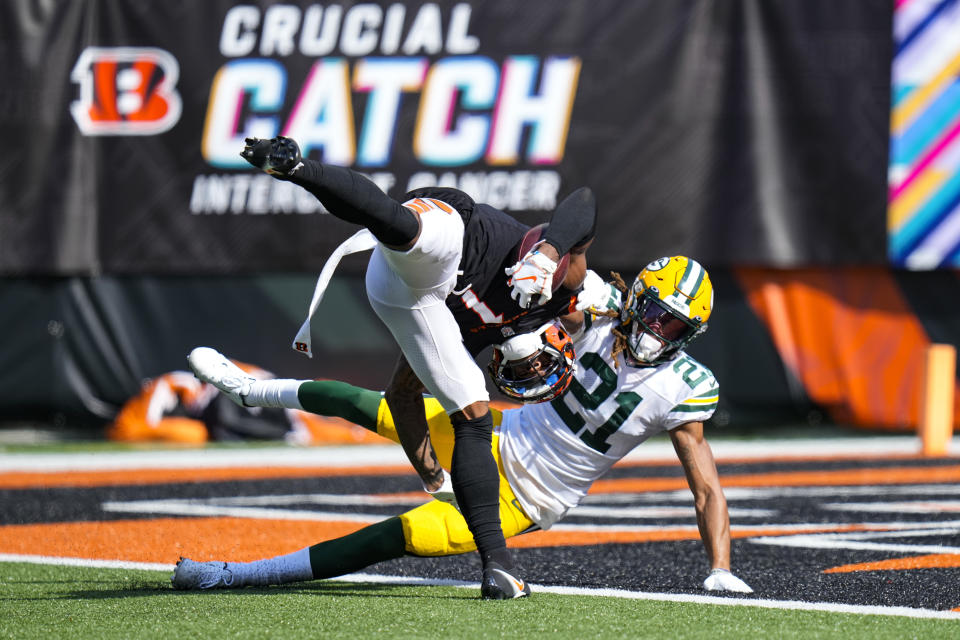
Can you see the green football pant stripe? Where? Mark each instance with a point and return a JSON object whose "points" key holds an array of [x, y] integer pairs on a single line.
{"points": [[341, 400], [372, 544]]}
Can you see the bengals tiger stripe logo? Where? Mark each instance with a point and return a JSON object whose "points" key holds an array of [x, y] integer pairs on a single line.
{"points": [[126, 91]]}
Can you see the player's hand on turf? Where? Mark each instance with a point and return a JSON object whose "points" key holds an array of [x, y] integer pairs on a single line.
{"points": [[445, 492], [723, 580], [278, 156], [530, 277], [598, 296]]}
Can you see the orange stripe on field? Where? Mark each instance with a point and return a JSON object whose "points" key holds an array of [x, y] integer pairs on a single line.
{"points": [[163, 540], [932, 561], [567, 538], [891, 475]]}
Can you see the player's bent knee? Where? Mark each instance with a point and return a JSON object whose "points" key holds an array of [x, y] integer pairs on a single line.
{"points": [[475, 410], [436, 529]]}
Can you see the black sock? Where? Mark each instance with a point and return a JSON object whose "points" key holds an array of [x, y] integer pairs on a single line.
{"points": [[500, 556], [476, 483], [352, 197]]}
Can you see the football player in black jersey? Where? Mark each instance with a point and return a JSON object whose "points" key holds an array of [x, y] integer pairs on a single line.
{"points": [[445, 277]]}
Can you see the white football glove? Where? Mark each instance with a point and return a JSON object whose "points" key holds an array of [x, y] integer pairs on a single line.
{"points": [[597, 296], [532, 276], [723, 580], [445, 492]]}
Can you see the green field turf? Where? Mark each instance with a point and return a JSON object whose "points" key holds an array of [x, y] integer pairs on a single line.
{"points": [[44, 601]]}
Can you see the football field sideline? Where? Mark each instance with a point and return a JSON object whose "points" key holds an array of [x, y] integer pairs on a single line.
{"points": [[795, 509], [907, 612]]}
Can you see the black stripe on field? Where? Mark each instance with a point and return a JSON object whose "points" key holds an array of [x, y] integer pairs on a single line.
{"points": [[775, 572]]}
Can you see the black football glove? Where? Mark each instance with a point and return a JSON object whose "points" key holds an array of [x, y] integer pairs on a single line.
{"points": [[278, 156]]}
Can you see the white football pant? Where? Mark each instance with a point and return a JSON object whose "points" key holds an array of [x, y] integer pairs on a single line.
{"points": [[407, 290]]}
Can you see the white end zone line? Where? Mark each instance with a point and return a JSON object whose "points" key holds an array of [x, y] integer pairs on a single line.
{"points": [[371, 578]]}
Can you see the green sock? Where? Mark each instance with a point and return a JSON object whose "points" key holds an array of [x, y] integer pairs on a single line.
{"points": [[341, 400], [376, 543]]}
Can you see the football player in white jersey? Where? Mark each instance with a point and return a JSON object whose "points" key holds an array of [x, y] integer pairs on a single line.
{"points": [[632, 380]]}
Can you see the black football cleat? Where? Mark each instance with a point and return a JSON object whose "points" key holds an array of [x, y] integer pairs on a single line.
{"points": [[500, 584], [278, 156]]}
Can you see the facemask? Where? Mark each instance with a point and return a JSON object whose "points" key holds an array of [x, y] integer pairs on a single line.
{"points": [[648, 348]]}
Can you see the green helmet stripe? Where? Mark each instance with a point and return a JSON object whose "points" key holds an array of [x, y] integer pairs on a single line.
{"points": [[692, 274]]}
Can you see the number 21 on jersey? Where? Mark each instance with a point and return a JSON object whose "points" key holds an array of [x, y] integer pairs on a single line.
{"points": [[626, 402]]}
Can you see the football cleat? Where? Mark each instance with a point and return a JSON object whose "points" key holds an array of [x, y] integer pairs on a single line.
{"points": [[499, 584], [278, 156], [211, 366], [190, 574]]}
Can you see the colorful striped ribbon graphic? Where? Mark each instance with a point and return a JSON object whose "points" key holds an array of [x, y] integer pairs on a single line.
{"points": [[923, 216]]}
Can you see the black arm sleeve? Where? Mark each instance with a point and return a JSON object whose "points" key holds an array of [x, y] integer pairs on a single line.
{"points": [[574, 222], [352, 197]]}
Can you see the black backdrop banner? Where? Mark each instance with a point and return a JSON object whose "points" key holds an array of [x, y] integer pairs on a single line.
{"points": [[740, 132]]}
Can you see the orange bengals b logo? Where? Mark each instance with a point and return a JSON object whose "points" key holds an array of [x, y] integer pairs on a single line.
{"points": [[126, 91]]}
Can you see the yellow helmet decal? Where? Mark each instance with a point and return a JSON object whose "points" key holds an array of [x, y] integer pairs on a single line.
{"points": [[682, 284]]}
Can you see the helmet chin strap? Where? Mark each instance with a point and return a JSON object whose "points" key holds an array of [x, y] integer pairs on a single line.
{"points": [[649, 348]]}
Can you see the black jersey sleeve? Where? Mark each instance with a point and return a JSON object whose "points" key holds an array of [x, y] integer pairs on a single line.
{"points": [[574, 221], [353, 197]]}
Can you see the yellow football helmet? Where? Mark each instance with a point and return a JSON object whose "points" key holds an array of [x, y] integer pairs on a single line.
{"points": [[666, 308]]}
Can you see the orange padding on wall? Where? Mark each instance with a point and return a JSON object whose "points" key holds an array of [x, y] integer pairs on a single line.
{"points": [[849, 336]]}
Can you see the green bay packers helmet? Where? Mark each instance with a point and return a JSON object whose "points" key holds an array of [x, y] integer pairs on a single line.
{"points": [[666, 308]]}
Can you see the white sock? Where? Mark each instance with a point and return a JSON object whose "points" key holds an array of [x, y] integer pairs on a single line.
{"points": [[274, 393], [293, 567]]}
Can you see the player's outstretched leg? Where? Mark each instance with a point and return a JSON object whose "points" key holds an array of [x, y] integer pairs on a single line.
{"points": [[345, 193], [375, 543]]}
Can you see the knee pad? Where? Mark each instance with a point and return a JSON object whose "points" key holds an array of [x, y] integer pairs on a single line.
{"points": [[436, 529]]}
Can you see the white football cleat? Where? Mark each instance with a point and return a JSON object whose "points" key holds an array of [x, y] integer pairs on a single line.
{"points": [[723, 580], [211, 366], [190, 574]]}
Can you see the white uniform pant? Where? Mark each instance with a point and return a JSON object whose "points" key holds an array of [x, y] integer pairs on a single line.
{"points": [[407, 290]]}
